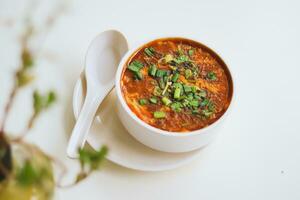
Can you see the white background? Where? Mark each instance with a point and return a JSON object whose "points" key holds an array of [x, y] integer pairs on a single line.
{"points": [[257, 155]]}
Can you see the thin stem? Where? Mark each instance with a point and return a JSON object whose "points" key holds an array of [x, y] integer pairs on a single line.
{"points": [[8, 107], [84, 176], [28, 127]]}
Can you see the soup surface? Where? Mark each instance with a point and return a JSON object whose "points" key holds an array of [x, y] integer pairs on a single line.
{"points": [[176, 85]]}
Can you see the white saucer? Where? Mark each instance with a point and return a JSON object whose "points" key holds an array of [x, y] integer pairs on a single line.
{"points": [[123, 148]]}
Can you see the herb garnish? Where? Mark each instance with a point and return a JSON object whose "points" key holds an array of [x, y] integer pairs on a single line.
{"points": [[136, 66], [170, 90], [143, 102], [211, 76], [150, 51], [159, 114]]}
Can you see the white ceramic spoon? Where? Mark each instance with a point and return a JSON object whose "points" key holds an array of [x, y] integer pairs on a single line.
{"points": [[101, 62]]}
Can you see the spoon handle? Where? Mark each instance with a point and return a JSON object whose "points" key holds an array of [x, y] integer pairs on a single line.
{"points": [[83, 124]]}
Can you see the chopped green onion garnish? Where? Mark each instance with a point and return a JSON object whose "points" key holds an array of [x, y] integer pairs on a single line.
{"points": [[135, 66], [185, 102], [190, 96], [187, 88], [194, 89], [181, 59], [177, 93], [160, 73], [159, 114], [175, 77], [165, 78], [166, 101], [191, 52], [176, 106], [178, 85], [207, 113], [202, 93], [194, 103], [211, 76], [161, 83], [210, 106], [152, 70], [197, 97], [149, 51], [153, 100], [188, 73], [138, 75], [157, 91], [143, 102], [204, 102], [166, 88], [195, 112]]}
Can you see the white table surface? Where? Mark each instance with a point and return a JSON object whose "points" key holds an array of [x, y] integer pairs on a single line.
{"points": [[257, 155]]}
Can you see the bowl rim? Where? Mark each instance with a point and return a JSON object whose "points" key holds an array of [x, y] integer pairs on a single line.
{"points": [[153, 129]]}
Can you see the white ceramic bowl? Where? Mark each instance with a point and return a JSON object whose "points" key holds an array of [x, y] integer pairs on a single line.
{"points": [[160, 139]]}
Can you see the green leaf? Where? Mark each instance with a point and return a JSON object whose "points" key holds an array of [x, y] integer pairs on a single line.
{"points": [[27, 174], [27, 59], [92, 159], [191, 52], [51, 98], [37, 102], [41, 102]]}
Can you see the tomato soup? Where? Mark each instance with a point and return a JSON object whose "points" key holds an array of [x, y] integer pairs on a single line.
{"points": [[176, 85]]}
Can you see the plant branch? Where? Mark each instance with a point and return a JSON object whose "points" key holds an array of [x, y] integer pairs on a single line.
{"points": [[28, 127], [80, 177], [8, 108]]}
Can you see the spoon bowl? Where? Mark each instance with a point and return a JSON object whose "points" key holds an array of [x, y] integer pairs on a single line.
{"points": [[101, 63]]}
